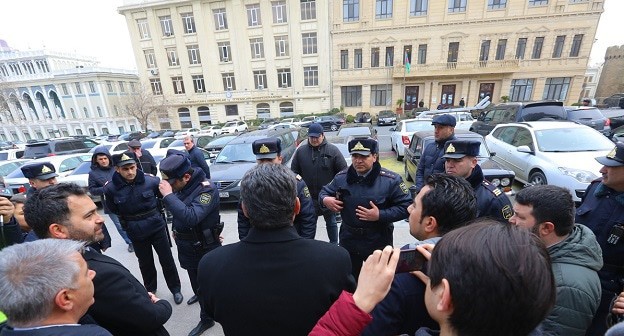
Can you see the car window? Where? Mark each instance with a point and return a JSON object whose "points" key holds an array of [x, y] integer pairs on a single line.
{"points": [[572, 140], [84, 168], [523, 138], [533, 113], [121, 146], [585, 114], [505, 134], [220, 141], [4, 156], [287, 140], [236, 153], [8, 168], [418, 126], [166, 142], [69, 164], [148, 144]]}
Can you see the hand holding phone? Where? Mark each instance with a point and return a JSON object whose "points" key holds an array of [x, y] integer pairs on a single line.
{"points": [[410, 260]]}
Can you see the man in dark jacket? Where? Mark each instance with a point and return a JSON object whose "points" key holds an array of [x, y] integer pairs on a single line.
{"points": [[317, 163], [461, 161], [100, 174], [144, 159], [196, 156], [122, 304], [196, 220], [431, 160]]}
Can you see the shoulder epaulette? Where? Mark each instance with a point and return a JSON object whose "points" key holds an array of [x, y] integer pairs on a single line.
{"points": [[342, 172], [299, 177], [387, 173], [206, 183], [492, 188]]}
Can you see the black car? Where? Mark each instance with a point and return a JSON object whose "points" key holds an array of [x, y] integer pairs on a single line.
{"points": [[216, 144], [589, 116], [55, 147], [363, 117], [386, 117], [516, 112], [492, 171], [616, 100], [330, 123]]}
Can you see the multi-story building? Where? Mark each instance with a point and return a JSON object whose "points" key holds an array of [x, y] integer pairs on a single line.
{"points": [[590, 83], [444, 50], [216, 61], [612, 76], [46, 94]]}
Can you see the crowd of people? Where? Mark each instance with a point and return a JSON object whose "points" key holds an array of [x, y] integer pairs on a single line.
{"points": [[537, 266]]}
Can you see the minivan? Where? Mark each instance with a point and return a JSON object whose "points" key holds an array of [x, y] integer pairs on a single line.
{"points": [[516, 112]]}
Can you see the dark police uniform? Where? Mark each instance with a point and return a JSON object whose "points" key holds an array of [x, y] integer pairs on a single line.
{"points": [[305, 220], [431, 161], [136, 204], [602, 210], [491, 201], [384, 187]]}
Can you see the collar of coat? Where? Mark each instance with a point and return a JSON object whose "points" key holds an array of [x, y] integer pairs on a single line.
{"points": [[603, 190], [476, 177], [282, 234], [352, 176]]}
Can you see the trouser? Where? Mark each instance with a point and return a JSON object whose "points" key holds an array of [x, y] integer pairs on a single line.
{"points": [[192, 273], [121, 231], [143, 251], [332, 227]]}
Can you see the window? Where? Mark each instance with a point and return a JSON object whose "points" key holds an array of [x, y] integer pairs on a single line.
{"points": [[283, 78], [521, 48], [224, 51], [576, 45], [389, 56], [374, 57], [257, 48], [344, 59], [418, 7], [558, 50], [350, 10], [260, 79], [357, 58], [500, 49], [309, 43], [351, 96], [143, 29], [109, 86], [99, 112], [132, 87], [456, 6], [453, 53], [193, 54], [253, 15], [281, 45], [556, 88], [220, 19], [72, 112], [578, 1], [537, 48], [229, 83], [156, 86], [198, 83], [538, 2], [86, 112], [150, 58], [172, 56], [485, 51], [178, 85], [422, 54], [521, 90], [383, 9], [122, 87], [279, 11], [497, 4], [78, 88], [381, 95], [166, 25], [188, 23], [92, 86], [308, 9], [310, 76], [407, 54]]}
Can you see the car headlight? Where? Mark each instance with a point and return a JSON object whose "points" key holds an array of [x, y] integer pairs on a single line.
{"points": [[582, 176], [505, 181], [496, 182]]}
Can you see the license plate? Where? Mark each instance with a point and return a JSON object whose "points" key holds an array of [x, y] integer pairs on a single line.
{"points": [[224, 194]]}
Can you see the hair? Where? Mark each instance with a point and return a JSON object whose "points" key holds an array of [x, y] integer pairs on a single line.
{"points": [[550, 204], [451, 201], [188, 137], [268, 192], [18, 199], [49, 205], [31, 274], [500, 278]]}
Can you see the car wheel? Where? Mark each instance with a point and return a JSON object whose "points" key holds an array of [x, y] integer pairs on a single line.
{"points": [[333, 127], [538, 178], [235, 131], [407, 175], [398, 157]]}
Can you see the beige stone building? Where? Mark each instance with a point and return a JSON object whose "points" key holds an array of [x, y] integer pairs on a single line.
{"points": [[612, 75]]}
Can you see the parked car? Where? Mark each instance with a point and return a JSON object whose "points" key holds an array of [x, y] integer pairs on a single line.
{"points": [[156, 134], [464, 119], [211, 130], [186, 132], [215, 145], [131, 136], [169, 133], [386, 117], [114, 147], [290, 121], [557, 153], [7, 167], [589, 116], [306, 121], [155, 145], [515, 112], [234, 127], [11, 154], [616, 100], [54, 147], [501, 177], [363, 117], [357, 130], [329, 123], [80, 176], [266, 123], [237, 157], [401, 135]]}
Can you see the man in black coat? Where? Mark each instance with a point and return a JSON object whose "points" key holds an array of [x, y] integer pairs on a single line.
{"points": [[273, 282], [431, 161], [145, 160], [122, 305], [196, 156]]}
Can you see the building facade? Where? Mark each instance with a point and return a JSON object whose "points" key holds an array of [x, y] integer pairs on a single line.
{"points": [[217, 61], [46, 94], [590, 83], [612, 77]]}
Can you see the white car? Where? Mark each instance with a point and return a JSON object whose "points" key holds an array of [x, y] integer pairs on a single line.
{"points": [[464, 119], [401, 134], [283, 125], [234, 127], [113, 147], [11, 154], [156, 143], [80, 176], [186, 132], [550, 152], [212, 130]]}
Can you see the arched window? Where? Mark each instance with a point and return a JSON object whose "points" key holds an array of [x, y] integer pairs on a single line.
{"points": [[185, 117], [263, 110], [286, 109], [203, 112]]}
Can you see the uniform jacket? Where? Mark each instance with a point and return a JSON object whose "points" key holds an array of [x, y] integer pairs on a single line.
{"points": [[273, 282], [198, 161], [575, 263], [146, 163], [304, 223], [98, 176], [132, 199], [122, 305], [343, 318], [491, 202], [431, 161], [195, 208], [59, 330]]}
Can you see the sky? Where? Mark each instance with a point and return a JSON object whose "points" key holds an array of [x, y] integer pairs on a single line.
{"points": [[94, 28]]}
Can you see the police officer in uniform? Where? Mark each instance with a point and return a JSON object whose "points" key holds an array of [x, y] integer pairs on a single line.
{"points": [[602, 210], [194, 203], [461, 161], [133, 196], [269, 151], [370, 199]]}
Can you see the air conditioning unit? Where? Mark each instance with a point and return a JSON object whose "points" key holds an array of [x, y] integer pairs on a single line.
{"points": [[153, 72], [260, 86]]}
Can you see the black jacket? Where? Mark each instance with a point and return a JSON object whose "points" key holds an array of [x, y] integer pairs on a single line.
{"points": [[431, 161], [491, 201], [198, 161], [98, 176], [58, 330], [147, 163]]}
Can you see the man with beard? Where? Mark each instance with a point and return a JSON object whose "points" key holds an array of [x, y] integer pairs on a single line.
{"points": [[431, 160]]}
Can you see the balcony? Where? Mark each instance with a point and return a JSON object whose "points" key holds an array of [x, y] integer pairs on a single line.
{"points": [[457, 68]]}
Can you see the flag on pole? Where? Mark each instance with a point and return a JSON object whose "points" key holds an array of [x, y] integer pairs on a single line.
{"points": [[407, 63]]}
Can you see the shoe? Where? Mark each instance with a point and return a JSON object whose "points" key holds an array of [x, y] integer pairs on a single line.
{"points": [[130, 248], [177, 298], [201, 327], [192, 300]]}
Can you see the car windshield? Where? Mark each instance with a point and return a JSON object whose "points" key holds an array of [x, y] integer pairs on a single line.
{"points": [[148, 144], [571, 140], [236, 153], [230, 124], [17, 173], [585, 114], [344, 132], [177, 143], [220, 141], [386, 114], [417, 126], [84, 168]]}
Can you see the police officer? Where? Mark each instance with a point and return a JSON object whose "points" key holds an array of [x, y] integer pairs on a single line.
{"points": [[269, 151], [602, 210], [461, 161], [370, 198], [431, 160], [133, 196]]}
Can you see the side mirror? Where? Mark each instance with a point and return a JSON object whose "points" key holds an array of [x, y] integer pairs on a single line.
{"points": [[392, 129], [524, 149], [492, 154]]}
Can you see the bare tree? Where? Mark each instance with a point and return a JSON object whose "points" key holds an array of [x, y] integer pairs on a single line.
{"points": [[144, 105]]}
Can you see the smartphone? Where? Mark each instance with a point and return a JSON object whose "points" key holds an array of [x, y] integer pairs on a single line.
{"points": [[410, 260]]}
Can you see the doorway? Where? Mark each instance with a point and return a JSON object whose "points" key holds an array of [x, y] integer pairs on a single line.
{"points": [[411, 98], [448, 96], [485, 90]]}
